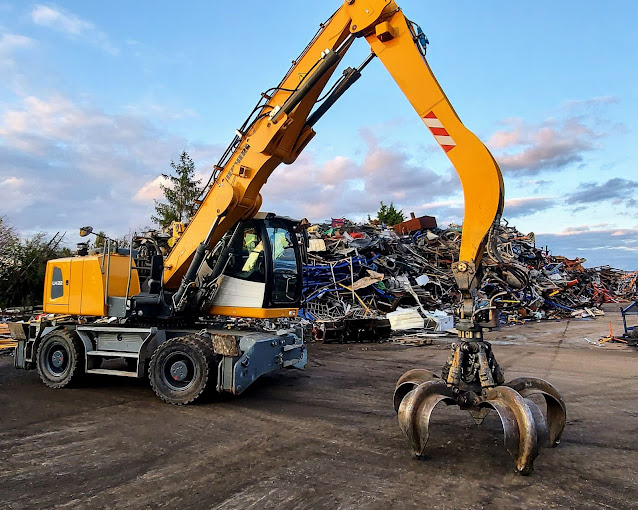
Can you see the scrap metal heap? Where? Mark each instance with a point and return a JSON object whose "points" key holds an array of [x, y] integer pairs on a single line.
{"points": [[359, 277]]}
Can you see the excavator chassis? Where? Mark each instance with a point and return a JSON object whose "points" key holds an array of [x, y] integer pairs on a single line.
{"points": [[525, 426], [174, 359]]}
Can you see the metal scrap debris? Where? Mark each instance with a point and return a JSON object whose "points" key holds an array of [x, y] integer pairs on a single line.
{"points": [[373, 272]]}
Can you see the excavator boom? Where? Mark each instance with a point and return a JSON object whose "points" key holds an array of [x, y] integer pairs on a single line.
{"points": [[281, 127]]}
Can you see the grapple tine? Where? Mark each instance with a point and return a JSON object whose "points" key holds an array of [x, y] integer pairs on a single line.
{"points": [[510, 425], [542, 432], [415, 411], [410, 380], [556, 411], [523, 418]]}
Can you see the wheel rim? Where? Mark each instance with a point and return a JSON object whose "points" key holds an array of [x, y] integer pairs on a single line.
{"points": [[178, 370], [56, 359]]}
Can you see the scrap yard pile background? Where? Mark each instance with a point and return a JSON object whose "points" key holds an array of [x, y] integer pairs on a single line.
{"points": [[363, 281], [367, 282]]}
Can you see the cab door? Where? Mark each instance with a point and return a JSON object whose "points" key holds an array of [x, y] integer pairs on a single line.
{"points": [[243, 283], [284, 264]]}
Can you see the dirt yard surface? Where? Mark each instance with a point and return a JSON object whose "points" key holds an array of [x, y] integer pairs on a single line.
{"points": [[326, 437]]}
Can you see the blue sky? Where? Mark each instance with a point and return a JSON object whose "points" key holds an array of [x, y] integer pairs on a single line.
{"points": [[98, 97]]}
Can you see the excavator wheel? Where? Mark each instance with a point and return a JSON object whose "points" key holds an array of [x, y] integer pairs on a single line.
{"points": [[60, 358], [182, 369]]}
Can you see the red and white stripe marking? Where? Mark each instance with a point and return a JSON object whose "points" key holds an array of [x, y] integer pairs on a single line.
{"points": [[440, 133]]}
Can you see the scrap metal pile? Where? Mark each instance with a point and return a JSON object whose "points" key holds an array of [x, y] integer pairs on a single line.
{"points": [[362, 281]]}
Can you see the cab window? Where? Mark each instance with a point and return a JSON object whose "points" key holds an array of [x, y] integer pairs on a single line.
{"points": [[247, 256], [285, 277]]}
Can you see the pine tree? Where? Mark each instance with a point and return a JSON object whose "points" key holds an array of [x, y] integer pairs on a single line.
{"points": [[180, 193], [389, 215]]}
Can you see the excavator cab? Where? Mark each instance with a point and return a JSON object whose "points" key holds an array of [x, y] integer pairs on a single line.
{"points": [[253, 271], [261, 275]]}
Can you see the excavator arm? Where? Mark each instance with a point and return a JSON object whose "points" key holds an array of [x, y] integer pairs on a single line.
{"points": [[396, 43], [281, 126]]}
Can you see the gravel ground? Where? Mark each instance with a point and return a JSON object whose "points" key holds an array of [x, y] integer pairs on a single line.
{"points": [[326, 437]]}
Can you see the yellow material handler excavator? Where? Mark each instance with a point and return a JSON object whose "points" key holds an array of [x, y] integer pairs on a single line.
{"points": [[155, 308]]}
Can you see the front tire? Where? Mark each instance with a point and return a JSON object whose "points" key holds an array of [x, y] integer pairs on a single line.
{"points": [[60, 359], [181, 370]]}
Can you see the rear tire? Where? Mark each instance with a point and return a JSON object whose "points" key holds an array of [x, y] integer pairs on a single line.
{"points": [[60, 359], [182, 369]]}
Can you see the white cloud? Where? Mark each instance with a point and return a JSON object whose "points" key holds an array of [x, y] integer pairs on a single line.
{"points": [[16, 195], [518, 207], [614, 190], [583, 228], [550, 145], [56, 19], [84, 165], [344, 187], [451, 211], [12, 181], [591, 102], [444, 203], [71, 25], [151, 190], [600, 244], [556, 143], [9, 44]]}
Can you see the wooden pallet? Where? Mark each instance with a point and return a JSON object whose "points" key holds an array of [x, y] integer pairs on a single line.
{"points": [[413, 340], [418, 339], [6, 342]]}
